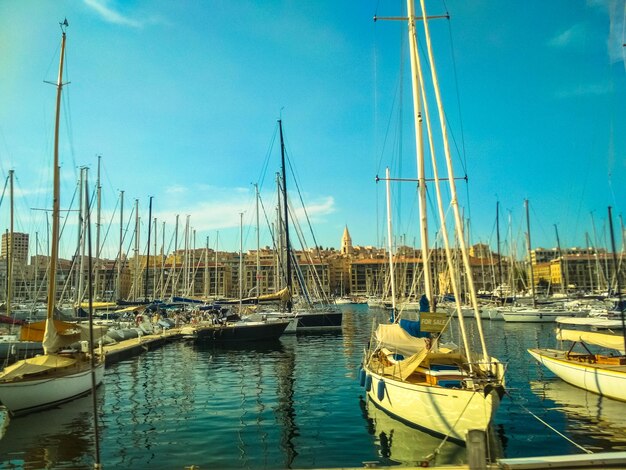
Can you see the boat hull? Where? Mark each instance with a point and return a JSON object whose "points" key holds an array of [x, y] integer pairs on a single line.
{"points": [[443, 411], [537, 316], [238, 332], [603, 379], [319, 321], [25, 396]]}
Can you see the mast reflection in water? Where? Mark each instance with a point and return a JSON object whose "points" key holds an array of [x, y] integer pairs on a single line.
{"points": [[294, 403]]}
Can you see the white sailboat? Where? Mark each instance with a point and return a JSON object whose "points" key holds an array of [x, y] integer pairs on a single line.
{"points": [[56, 376], [445, 390], [599, 373]]}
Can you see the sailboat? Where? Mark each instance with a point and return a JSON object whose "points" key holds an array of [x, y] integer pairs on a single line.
{"points": [[604, 374], [241, 330], [306, 317], [58, 375], [598, 372], [445, 390]]}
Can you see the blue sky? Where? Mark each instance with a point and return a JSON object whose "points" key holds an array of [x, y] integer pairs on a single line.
{"points": [[181, 101]]}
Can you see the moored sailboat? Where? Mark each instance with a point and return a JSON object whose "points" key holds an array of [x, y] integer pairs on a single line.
{"points": [[595, 371], [59, 375], [406, 372]]}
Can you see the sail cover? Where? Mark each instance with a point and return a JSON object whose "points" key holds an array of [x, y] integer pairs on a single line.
{"points": [[605, 340], [35, 365], [393, 337]]}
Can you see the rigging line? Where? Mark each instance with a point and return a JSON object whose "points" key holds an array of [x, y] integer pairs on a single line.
{"points": [[6, 181], [267, 157], [295, 180], [548, 425]]}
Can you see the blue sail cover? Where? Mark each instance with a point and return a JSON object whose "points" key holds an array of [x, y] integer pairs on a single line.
{"points": [[412, 327]]}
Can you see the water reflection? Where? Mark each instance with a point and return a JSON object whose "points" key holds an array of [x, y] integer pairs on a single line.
{"points": [[407, 446], [54, 438], [595, 422]]}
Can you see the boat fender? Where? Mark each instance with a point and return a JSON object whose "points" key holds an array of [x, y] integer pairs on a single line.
{"points": [[381, 390], [361, 376], [368, 382]]}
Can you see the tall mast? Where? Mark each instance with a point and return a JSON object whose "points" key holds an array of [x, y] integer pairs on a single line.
{"points": [[54, 247], [564, 275], [498, 247], [206, 269], [119, 258], [240, 260], [392, 275], [258, 246], [10, 245], [217, 238], [452, 185], [136, 288], [98, 223], [174, 263], [617, 276], [80, 244], [154, 261], [148, 253], [530, 261], [419, 143], [286, 215]]}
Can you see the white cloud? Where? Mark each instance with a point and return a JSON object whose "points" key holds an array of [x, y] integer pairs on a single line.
{"points": [[110, 15], [570, 36], [586, 90]]}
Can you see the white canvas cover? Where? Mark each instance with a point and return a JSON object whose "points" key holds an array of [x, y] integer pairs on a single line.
{"points": [[393, 337], [605, 340]]}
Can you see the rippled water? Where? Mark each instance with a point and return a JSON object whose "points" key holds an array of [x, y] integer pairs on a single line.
{"points": [[296, 403]]}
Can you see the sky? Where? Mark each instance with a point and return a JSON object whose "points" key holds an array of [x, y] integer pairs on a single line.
{"points": [[181, 101]]}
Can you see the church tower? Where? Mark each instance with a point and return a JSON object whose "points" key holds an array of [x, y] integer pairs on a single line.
{"points": [[346, 242]]}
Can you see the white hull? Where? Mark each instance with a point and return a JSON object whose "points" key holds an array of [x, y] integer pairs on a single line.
{"points": [[603, 379], [24, 396], [445, 411], [538, 316]]}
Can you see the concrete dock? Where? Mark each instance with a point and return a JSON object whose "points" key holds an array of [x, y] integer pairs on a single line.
{"points": [[135, 346]]}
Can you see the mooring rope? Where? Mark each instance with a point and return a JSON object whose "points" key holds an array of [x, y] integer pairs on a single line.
{"points": [[546, 424]]}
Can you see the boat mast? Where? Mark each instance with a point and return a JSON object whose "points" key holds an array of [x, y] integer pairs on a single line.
{"points": [[10, 244], [54, 247], [286, 215], [392, 275], [119, 258], [80, 251], [146, 282], [453, 196], [419, 143], [175, 261], [258, 246], [617, 275], [98, 224], [564, 275], [240, 261], [498, 247], [530, 261], [136, 288], [206, 269]]}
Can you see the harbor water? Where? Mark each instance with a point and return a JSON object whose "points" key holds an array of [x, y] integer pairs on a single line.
{"points": [[297, 403]]}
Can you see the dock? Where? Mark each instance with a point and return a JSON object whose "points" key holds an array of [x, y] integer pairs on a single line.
{"points": [[135, 346]]}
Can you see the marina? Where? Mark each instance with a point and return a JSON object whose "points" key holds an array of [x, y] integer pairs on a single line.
{"points": [[297, 403], [438, 339]]}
